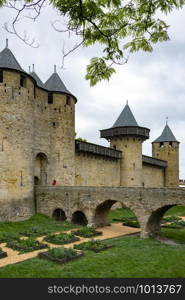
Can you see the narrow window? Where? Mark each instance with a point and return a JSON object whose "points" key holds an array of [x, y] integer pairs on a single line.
{"points": [[34, 91], [54, 124], [68, 101], [170, 144], [161, 144], [22, 80], [50, 98], [1, 76]]}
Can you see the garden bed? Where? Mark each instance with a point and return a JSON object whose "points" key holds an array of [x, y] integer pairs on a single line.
{"points": [[6, 237], [61, 255], [2, 253], [27, 245], [173, 222], [61, 238], [34, 231], [94, 245], [87, 232]]}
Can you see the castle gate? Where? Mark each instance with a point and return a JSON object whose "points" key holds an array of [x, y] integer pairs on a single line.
{"points": [[148, 204]]}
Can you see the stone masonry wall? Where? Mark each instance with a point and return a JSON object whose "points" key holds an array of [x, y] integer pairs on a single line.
{"points": [[131, 164], [170, 153], [16, 147], [153, 176], [94, 170]]}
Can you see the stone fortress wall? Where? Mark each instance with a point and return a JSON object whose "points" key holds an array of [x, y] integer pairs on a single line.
{"points": [[37, 144]]}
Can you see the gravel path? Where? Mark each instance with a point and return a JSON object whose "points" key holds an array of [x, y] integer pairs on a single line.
{"points": [[115, 230]]}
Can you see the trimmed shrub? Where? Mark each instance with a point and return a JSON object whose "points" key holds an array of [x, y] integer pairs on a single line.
{"points": [[94, 245], [87, 232], [62, 252], [61, 238]]}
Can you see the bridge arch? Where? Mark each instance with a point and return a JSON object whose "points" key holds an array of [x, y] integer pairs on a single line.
{"points": [[59, 214], [79, 218], [102, 210], [153, 225]]}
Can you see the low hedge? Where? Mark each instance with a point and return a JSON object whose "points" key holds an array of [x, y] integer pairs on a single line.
{"points": [[87, 232], [61, 255], [26, 245], [62, 238], [94, 245]]}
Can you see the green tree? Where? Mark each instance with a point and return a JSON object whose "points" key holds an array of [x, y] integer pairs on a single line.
{"points": [[120, 26]]}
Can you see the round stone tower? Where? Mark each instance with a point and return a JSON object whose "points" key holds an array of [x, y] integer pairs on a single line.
{"points": [[16, 138], [61, 105], [166, 147], [126, 135]]}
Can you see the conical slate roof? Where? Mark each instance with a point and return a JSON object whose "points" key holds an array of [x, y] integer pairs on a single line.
{"points": [[166, 136], [126, 118], [37, 79], [8, 60], [55, 84]]}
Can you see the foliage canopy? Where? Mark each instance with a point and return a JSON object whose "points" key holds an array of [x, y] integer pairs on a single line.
{"points": [[120, 26]]}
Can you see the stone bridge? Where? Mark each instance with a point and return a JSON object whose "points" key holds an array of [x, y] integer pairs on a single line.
{"points": [[92, 204]]}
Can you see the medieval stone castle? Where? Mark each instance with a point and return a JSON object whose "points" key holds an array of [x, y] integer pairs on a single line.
{"points": [[37, 144]]}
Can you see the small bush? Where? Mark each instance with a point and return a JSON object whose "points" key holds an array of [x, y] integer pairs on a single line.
{"points": [[87, 232], [60, 239], [92, 244], [61, 253]]}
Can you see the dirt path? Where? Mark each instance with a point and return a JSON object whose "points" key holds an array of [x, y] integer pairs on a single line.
{"points": [[115, 230]]}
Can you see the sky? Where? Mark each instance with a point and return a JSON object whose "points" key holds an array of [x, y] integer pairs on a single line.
{"points": [[153, 83]]}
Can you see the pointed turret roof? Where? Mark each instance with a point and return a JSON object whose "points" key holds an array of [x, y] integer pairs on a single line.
{"points": [[37, 79], [166, 136], [126, 118], [55, 84], [8, 60], [125, 125]]}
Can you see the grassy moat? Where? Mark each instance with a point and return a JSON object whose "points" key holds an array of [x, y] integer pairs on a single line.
{"points": [[130, 256]]}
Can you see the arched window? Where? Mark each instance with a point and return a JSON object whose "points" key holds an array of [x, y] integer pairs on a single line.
{"points": [[40, 169]]}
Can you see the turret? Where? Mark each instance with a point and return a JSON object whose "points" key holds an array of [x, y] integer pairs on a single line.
{"points": [[126, 135], [16, 138], [166, 147], [61, 105]]}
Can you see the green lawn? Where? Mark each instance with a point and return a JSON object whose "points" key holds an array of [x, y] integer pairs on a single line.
{"points": [[39, 222], [130, 257], [176, 211], [119, 213]]}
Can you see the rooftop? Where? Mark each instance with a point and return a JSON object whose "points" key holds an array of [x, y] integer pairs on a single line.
{"points": [[8, 60], [166, 136], [55, 84], [126, 118]]}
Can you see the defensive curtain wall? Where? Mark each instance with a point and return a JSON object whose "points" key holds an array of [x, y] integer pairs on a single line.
{"points": [[93, 204]]}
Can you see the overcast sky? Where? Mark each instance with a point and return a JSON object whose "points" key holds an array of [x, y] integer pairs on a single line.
{"points": [[153, 83]]}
